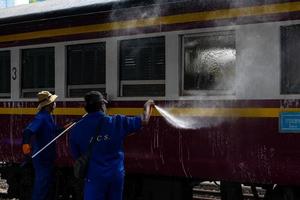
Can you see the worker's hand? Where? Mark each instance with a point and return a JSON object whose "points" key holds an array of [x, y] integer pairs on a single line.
{"points": [[148, 106], [26, 148], [147, 111], [150, 103]]}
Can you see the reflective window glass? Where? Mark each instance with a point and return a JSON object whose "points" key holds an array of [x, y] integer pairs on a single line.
{"points": [[290, 59], [209, 63]]}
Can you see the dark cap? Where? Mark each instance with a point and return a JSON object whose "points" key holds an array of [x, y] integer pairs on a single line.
{"points": [[93, 97]]}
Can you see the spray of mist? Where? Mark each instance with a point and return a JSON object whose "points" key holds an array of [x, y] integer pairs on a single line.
{"points": [[185, 122], [176, 122]]}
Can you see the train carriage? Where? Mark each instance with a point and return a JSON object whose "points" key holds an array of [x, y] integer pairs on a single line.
{"points": [[224, 73]]}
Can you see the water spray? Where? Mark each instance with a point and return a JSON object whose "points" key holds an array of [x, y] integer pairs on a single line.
{"points": [[183, 121], [177, 122]]}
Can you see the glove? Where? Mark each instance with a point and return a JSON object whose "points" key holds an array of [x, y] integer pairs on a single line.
{"points": [[26, 148], [150, 103], [147, 111]]}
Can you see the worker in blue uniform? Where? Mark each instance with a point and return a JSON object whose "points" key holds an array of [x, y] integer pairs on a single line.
{"points": [[105, 175], [36, 135]]}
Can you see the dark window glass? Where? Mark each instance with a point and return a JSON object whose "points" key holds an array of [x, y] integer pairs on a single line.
{"points": [[209, 63], [85, 68], [143, 90], [37, 71], [142, 67], [4, 74], [290, 59]]}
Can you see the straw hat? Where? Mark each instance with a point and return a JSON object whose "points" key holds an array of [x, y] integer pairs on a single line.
{"points": [[45, 98]]}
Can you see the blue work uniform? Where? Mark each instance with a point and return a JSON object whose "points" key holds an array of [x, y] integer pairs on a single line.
{"points": [[105, 176], [42, 130]]}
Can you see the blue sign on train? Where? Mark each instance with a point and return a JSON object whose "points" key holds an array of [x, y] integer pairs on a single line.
{"points": [[289, 122]]}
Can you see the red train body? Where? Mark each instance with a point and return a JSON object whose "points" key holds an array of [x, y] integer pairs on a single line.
{"points": [[238, 136]]}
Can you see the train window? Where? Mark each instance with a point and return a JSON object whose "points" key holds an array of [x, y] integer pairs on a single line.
{"points": [[209, 63], [4, 74], [142, 67], [290, 38], [37, 71], [85, 68]]}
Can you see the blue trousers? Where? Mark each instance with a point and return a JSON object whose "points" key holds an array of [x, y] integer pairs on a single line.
{"points": [[43, 181], [105, 188]]}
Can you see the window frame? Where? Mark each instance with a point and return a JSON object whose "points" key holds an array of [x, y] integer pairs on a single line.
{"points": [[121, 83], [37, 89], [68, 87], [7, 95]]}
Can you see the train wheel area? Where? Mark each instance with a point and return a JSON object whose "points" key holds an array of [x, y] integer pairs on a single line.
{"points": [[235, 191], [17, 183]]}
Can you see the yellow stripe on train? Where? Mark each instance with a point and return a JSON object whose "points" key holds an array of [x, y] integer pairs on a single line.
{"points": [[165, 20], [184, 112]]}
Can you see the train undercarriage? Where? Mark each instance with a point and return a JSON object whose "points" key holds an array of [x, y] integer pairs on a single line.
{"points": [[145, 187]]}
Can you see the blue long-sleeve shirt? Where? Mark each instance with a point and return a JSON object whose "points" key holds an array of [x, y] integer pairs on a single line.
{"points": [[43, 129], [107, 155]]}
